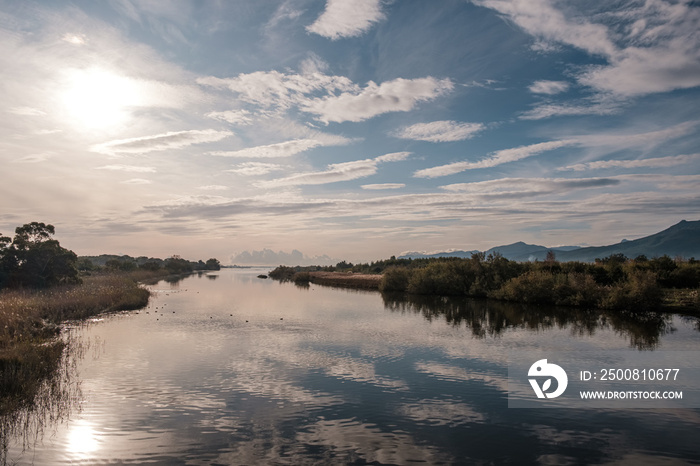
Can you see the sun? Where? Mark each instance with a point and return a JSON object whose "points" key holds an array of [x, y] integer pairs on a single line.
{"points": [[95, 98]]}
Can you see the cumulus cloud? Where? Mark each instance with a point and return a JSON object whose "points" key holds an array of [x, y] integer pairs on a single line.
{"points": [[440, 131], [549, 87], [399, 95], [497, 158], [158, 142], [255, 168], [347, 18], [127, 168], [382, 186], [656, 162], [330, 98], [336, 172]]}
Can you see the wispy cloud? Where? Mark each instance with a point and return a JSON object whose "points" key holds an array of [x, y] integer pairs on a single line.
{"points": [[279, 149], [336, 172], [213, 187], [284, 149], [158, 142], [347, 18], [507, 187], [382, 186], [127, 168], [137, 181], [273, 89], [549, 110], [235, 117], [255, 168], [497, 158], [440, 131], [656, 162], [399, 95], [549, 87], [26, 111], [650, 47]]}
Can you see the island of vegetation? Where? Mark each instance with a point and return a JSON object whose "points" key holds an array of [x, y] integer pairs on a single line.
{"points": [[614, 282], [43, 284]]}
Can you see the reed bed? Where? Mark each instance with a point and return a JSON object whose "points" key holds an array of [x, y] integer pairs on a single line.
{"points": [[31, 315]]}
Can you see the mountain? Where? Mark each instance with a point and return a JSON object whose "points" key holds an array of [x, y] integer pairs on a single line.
{"points": [[682, 239]]}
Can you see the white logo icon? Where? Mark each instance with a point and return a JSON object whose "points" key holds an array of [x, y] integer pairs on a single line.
{"points": [[542, 369]]}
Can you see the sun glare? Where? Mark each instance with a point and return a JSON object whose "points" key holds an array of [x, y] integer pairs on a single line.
{"points": [[82, 439], [99, 99]]}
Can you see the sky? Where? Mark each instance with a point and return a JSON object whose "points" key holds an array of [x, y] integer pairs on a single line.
{"points": [[314, 130]]}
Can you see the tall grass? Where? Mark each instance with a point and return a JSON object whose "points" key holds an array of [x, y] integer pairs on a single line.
{"points": [[29, 315]]}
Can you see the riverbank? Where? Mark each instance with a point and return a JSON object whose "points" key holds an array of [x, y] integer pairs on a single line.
{"points": [[30, 323], [614, 283]]}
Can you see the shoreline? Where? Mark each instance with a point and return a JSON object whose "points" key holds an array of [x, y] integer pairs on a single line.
{"points": [[676, 301]]}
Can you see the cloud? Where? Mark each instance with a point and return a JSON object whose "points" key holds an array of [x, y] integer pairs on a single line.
{"points": [[657, 162], [383, 186], [280, 149], [213, 187], [571, 109], [35, 158], [344, 100], [399, 95], [158, 142], [440, 131], [270, 257], [347, 18], [549, 87], [272, 89], [235, 117], [26, 111], [620, 140], [497, 158], [127, 168], [136, 181], [649, 46], [255, 168], [75, 39], [507, 187], [336, 172]]}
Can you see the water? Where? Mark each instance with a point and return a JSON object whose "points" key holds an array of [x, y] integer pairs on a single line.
{"points": [[232, 369]]}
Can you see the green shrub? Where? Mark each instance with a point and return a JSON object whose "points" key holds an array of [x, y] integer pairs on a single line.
{"points": [[395, 279]]}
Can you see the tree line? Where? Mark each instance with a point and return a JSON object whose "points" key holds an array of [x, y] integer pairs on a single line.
{"points": [[34, 259]]}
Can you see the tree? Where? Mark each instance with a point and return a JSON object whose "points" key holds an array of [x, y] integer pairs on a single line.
{"points": [[35, 259], [213, 264]]}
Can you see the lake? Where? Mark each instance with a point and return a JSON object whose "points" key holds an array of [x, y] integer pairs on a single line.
{"points": [[227, 368]]}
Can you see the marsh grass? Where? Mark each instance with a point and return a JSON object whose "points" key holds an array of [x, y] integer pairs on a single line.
{"points": [[28, 315]]}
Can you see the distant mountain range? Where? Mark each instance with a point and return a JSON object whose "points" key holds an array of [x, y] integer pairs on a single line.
{"points": [[682, 239]]}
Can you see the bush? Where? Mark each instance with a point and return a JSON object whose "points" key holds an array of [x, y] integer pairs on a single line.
{"points": [[395, 279], [640, 292]]}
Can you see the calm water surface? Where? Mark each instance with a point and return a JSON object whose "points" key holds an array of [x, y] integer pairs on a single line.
{"points": [[231, 369]]}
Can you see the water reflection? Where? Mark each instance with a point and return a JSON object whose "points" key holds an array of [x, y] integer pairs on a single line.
{"points": [[39, 390], [492, 318], [239, 370]]}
